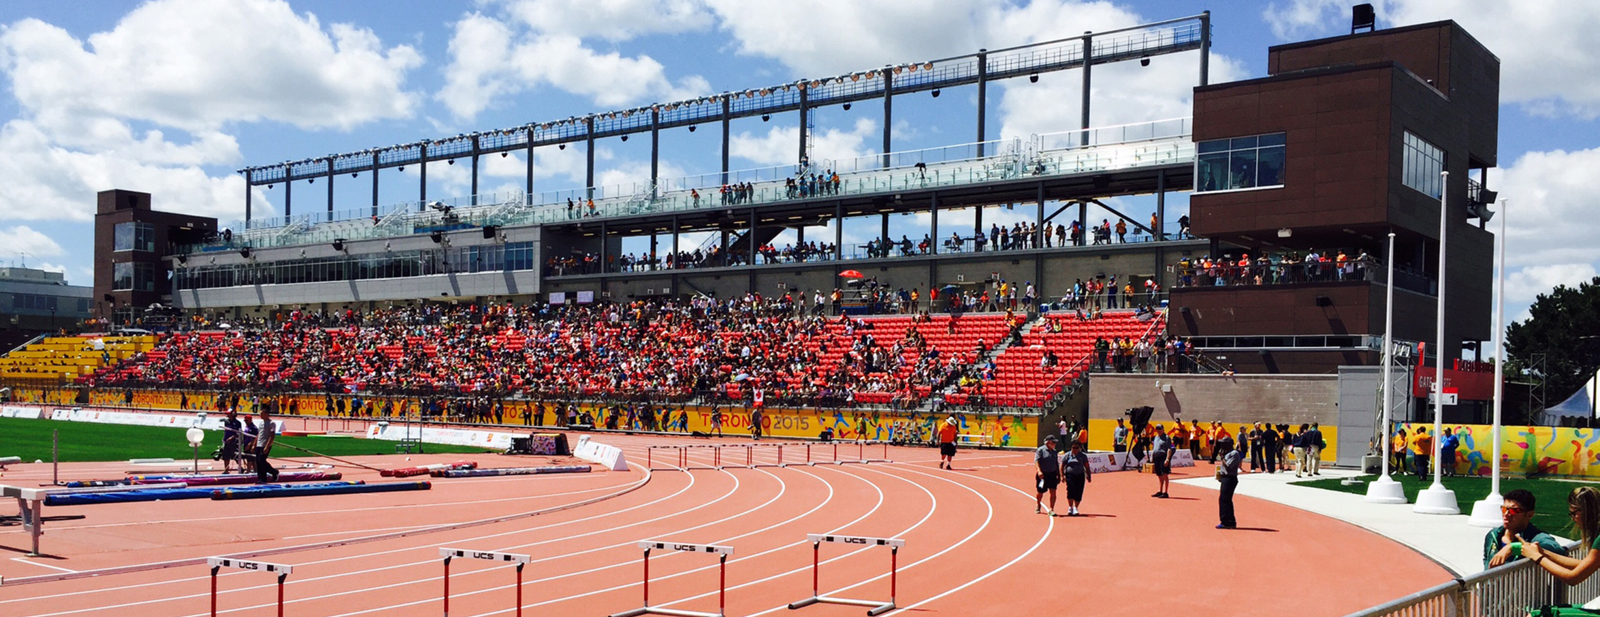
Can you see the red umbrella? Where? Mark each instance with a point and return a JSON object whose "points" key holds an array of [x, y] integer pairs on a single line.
{"points": [[852, 274]]}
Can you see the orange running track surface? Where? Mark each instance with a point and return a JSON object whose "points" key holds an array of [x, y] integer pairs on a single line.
{"points": [[973, 545]]}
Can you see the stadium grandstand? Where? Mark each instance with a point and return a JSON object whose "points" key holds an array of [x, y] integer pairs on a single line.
{"points": [[677, 290]]}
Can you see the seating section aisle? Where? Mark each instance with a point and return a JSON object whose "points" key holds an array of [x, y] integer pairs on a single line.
{"points": [[960, 342], [1021, 379], [69, 357]]}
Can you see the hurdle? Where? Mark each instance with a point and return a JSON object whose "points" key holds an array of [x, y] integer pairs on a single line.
{"points": [[218, 563], [876, 607], [451, 553], [722, 578], [684, 461]]}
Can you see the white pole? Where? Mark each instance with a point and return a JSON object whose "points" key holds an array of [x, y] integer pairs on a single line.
{"points": [[1385, 489], [1437, 499], [1486, 512]]}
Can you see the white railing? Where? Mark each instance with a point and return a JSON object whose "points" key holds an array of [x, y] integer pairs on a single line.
{"points": [[1512, 590]]}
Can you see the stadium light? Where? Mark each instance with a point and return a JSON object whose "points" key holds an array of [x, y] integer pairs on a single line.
{"points": [[450, 162], [847, 107], [1145, 61], [935, 93], [1034, 78], [691, 128], [766, 117]]}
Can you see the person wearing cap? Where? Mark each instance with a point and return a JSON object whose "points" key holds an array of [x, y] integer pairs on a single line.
{"points": [[1076, 473], [1047, 477], [1161, 461], [947, 443]]}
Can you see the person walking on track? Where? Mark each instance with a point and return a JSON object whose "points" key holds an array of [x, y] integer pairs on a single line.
{"points": [[264, 439], [1047, 477], [1228, 475], [1075, 471], [716, 420], [947, 443]]}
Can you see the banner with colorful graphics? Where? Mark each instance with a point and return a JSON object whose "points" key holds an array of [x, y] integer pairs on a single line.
{"points": [[1524, 450]]}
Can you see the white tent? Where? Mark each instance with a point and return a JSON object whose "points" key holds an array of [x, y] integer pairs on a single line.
{"points": [[1580, 404]]}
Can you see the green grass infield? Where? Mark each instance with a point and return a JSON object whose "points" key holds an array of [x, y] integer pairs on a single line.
{"points": [[84, 442]]}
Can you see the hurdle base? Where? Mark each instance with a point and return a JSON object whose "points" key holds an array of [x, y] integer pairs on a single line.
{"points": [[874, 607], [651, 610]]}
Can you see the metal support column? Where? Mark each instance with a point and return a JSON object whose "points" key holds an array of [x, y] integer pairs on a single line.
{"points": [[983, 97], [375, 185], [1083, 222], [422, 166], [838, 230], [288, 193], [249, 189], [1160, 232], [933, 230], [527, 188], [977, 223], [888, 111], [1038, 259], [654, 254], [330, 189], [655, 151], [474, 170], [883, 239], [1205, 47], [604, 237], [588, 177], [1088, 56], [754, 223], [805, 99], [675, 265], [727, 112]]}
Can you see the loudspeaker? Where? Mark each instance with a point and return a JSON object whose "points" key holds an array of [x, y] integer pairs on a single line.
{"points": [[1324, 301], [1362, 16], [245, 253], [489, 231], [437, 236]]}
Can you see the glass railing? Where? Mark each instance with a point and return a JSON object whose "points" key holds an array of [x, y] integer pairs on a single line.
{"points": [[1280, 272], [1123, 147]]}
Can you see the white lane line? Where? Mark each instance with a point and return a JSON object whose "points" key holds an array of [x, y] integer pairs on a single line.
{"points": [[630, 561], [430, 562], [686, 487], [59, 529], [43, 565]]}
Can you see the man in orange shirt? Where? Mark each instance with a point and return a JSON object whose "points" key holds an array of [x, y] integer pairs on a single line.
{"points": [[1218, 433], [947, 443], [1421, 450]]}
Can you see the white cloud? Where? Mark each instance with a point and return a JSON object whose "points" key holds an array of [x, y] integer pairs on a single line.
{"points": [[1542, 46], [1120, 94], [22, 240], [196, 65], [187, 69], [1546, 201], [490, 59], [781, 144], [613, 20]]}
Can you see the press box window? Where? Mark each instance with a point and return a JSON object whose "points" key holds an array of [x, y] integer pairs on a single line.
{"points": [[1240, 163], [133, 237], [1422, 166]]}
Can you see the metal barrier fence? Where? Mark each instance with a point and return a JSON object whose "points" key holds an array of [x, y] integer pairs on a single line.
{"points": [[1512, 590]]}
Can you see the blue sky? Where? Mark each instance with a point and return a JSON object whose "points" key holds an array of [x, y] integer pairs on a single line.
{"points": [[172, 96]]}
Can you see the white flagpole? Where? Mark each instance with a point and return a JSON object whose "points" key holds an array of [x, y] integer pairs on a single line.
{"points": [[1486, 512], [1437, 499], [1385, 489]]}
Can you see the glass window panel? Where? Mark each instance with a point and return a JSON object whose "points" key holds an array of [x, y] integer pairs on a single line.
{"points": [[1242, 169], [1275, 139], [1269, 166], [122, 276], [122, 237], [1219, 145], [1212, 174], [1242, 142]]}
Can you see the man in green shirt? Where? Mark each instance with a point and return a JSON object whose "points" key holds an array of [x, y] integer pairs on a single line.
{"points": [[1516, 514]]}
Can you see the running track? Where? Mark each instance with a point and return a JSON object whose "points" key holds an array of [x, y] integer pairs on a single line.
{"points": [[974, 545]]}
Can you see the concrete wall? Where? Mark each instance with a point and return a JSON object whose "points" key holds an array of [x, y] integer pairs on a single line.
{"points": [[1232, 399]]}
